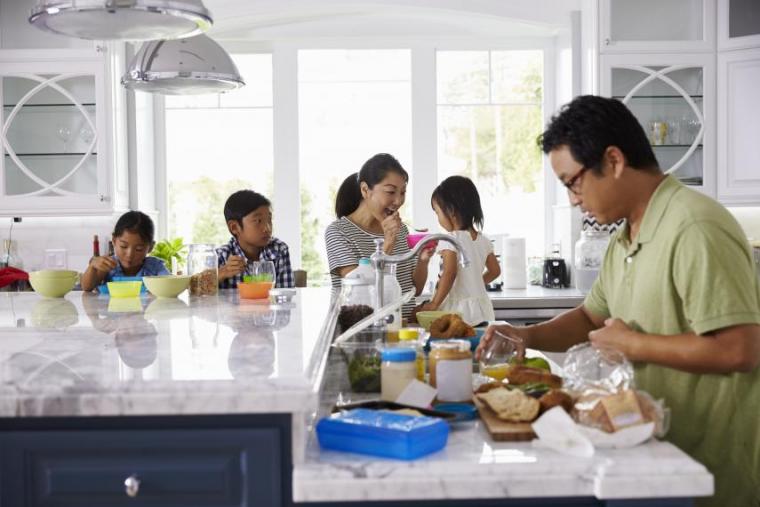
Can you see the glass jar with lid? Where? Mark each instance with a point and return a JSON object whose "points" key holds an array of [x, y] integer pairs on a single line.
{"points": [[202, 266], [397, 370], [450, 364], [415, 338], [589, 254], [355, 301]]}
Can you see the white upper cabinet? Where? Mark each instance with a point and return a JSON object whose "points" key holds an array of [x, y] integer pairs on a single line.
{"points": [[738, 24], [656, 25], [60, 138], [739, 126], [672, 96]]}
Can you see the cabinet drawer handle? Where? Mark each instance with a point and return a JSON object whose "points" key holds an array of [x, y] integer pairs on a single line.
{"points": [[132, 486]]}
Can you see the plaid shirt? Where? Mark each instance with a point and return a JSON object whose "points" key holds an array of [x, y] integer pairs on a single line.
{"points": [[276, 251]]}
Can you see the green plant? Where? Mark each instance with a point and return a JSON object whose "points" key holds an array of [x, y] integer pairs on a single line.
{"points": [[169, 249]]}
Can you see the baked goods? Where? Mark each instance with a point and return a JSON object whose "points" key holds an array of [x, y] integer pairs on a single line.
{"points": [[484, 388], [451, 326], [616, 411], [556, 398], [511, 405], [518, 374]]}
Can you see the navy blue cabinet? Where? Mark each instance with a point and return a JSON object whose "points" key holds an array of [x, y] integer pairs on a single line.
{"points": [[144, 466]]}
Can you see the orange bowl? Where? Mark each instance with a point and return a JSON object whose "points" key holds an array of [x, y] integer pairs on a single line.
{"points": [[254, 290]]}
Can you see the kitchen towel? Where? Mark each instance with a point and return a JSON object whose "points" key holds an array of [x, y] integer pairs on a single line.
{"points": [[515, 270]]}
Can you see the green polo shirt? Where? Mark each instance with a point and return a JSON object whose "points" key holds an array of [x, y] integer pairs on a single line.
{"points": [[691, 270]]}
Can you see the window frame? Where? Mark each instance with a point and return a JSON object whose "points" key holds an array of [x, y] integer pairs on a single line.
{"points": [[424, 170]]}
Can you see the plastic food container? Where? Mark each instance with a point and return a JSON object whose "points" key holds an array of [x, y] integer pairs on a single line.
{"points": [[382, 433], [125, 289], [363, 359]]}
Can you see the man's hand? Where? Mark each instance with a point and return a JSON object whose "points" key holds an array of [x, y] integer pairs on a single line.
{"points": [[234, 266], [615, 335], [516, 334], [103, 264]]}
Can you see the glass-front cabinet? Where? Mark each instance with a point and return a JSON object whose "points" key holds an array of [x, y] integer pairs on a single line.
{"points": [[656, 25], [673, 98], [58, 137]]}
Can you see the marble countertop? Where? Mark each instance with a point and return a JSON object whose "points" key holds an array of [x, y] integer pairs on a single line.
{"points": [[472, 465], [535, 296], [87, 355]]}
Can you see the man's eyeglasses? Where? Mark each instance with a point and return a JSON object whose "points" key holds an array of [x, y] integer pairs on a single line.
{"points": [[574, 184]]}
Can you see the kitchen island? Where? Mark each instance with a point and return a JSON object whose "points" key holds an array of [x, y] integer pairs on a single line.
{"points": [[211, 401]]}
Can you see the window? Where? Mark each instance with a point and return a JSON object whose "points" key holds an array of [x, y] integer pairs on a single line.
{"points": [[215, 145], [489, 116], [352, 105]]}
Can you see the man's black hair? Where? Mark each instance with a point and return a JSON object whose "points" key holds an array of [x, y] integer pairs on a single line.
{"points": [[590, 124]]}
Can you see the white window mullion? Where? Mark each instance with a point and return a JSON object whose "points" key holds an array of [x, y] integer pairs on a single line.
{"points": [[286, 195], [424, 135]]}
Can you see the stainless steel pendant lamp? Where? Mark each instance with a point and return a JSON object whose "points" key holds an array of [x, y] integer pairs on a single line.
{"points": [[132, 20], [189, 66]]}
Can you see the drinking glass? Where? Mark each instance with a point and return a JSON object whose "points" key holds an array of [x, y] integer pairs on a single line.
{"points": [[263, 271], [495, 359], [64, 134]]}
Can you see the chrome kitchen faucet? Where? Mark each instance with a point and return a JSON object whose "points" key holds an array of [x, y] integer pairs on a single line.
{"points": [[379, 259]]}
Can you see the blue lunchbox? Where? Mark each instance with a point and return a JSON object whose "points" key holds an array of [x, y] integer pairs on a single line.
{"points": [[382, 433]]}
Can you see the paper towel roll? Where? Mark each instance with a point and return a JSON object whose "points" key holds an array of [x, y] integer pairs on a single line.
{"points": [[514, 270]]}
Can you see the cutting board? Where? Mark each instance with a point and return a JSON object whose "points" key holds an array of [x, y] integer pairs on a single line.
{"points": [[503, 431]]}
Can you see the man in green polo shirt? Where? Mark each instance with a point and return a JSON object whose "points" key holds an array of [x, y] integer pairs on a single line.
{"points": [[677, 292]]}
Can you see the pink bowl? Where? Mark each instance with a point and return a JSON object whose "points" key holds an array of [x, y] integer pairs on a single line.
{"points": [[413, 239]]}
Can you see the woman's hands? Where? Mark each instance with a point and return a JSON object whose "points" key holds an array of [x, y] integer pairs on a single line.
{"points": [[391, 225]]}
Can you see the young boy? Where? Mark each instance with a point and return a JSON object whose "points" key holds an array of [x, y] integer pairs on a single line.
{"points": [[249, 220]]}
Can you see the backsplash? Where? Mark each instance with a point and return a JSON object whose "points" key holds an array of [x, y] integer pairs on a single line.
{"points": [[74, 234]]}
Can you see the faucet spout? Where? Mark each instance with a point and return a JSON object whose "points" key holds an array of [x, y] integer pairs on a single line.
{"points": [[379, 259]]}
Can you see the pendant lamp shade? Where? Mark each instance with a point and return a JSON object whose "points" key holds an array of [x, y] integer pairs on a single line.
{"points": [[132, 20], [190, 66]]}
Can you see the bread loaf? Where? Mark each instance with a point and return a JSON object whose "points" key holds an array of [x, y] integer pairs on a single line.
{"points": [[511, 405], [518, 374]]}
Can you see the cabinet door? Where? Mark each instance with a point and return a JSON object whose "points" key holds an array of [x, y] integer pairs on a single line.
{"points": [[673, 98], [738, 167], [141, 468], [656, 25], [53, 140], [738, 24]]}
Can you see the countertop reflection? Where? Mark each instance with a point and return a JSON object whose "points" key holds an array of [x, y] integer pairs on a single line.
{"points": [[89, 354]]}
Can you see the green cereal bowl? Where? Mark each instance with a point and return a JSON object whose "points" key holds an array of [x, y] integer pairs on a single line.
{"points": [[52, 283], [426, 319], [167, 286]]}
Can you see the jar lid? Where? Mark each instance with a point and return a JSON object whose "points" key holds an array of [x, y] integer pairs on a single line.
{"points": [[399, 355], [408, 333], [462, 345]]}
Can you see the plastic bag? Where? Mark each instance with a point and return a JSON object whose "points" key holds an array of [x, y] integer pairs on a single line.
{"points": [[602, 381]]}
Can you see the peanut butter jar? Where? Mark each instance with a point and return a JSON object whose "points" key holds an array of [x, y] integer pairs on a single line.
{"points": [[450, 364]]}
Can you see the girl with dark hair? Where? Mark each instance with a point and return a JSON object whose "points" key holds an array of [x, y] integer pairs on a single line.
{"points": [[367, 207], [456, 203], [132, 240]]}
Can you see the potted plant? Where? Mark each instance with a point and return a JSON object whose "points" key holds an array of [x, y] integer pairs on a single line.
{"points": [[171, 251]]}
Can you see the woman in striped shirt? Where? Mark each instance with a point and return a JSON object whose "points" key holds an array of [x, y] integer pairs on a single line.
{"points": [[367, 207]]}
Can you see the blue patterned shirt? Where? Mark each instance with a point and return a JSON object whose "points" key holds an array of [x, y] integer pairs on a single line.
{"points": [[152, 266], [276, 251]]}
